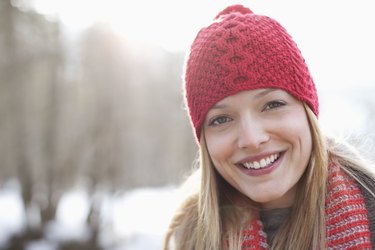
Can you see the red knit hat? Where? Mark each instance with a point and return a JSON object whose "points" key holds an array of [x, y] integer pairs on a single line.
{"points": [[243, 51]]}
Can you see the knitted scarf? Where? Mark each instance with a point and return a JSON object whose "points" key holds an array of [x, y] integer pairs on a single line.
{"points": [[347, 225]]}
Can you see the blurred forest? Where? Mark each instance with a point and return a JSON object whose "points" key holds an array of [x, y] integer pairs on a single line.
{"points": [[95, 111]]}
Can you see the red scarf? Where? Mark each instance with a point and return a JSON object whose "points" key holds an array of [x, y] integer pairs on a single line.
{"points": [[346, 217]]}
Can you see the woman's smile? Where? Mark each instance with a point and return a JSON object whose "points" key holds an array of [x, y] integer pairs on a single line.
{"points": [[260, 165]]}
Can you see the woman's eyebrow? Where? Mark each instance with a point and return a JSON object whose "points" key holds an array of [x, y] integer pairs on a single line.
{"points": [[218, 106], [256, 96], [264, 92]]}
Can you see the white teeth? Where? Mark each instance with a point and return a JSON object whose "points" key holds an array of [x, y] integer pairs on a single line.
{"points": [[256, 165], [262, 163]]}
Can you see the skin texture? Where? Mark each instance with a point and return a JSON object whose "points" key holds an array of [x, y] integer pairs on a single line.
{"points": [[254, 125]]}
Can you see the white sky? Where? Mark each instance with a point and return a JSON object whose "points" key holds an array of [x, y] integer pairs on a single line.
{"points": [[336, 37]]}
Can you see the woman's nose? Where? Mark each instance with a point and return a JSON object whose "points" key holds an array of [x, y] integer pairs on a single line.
{"points": [[252, 133]]}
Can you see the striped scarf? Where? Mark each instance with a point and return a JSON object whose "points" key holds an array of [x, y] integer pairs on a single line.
{"points": [[347, 225]]}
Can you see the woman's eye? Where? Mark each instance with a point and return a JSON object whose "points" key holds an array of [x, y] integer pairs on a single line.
{"points": [[273, 105], [219, 120]]}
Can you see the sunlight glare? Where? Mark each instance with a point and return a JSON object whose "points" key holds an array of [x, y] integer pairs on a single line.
{"points": [[166, 23], [76, 15]]}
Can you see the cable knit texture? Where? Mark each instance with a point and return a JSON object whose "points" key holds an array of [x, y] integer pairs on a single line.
{"points": [[347, 225], [243, 51]]}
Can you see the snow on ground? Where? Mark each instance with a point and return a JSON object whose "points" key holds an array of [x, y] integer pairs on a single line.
{"points": [[143, 211], [141, 217], [71, 214], [11, 211], [134, 220], [42, 245]]}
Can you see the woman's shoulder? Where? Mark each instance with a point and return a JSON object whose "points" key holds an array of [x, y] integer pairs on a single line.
{"points": [[366, 181], [369, 196], [365, 177]]}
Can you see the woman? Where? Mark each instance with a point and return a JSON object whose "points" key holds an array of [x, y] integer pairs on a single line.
{"points": [[268, 178]]}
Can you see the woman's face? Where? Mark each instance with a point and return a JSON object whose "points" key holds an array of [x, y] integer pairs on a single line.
{"points": [[260, 143]]}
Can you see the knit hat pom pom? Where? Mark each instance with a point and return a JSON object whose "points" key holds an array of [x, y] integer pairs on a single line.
{"points": [[234, 8]]}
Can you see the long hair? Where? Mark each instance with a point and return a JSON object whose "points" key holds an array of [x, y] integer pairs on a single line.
{"points": [[308, 208], [211, 219]]}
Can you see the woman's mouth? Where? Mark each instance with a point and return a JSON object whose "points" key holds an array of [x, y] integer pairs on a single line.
{"points": [[262, 163]]}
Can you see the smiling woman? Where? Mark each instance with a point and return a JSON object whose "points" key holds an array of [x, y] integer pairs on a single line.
{"points": [[266, 168], [249, 121]]}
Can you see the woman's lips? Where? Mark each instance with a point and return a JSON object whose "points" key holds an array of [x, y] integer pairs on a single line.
{"points": [[262, 165]]}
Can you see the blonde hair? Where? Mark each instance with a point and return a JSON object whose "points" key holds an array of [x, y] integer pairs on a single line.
{"points": [[209, 219]]}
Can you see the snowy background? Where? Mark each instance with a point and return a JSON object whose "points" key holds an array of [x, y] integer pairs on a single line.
{"points": [[116, 93], [134, 220]]}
